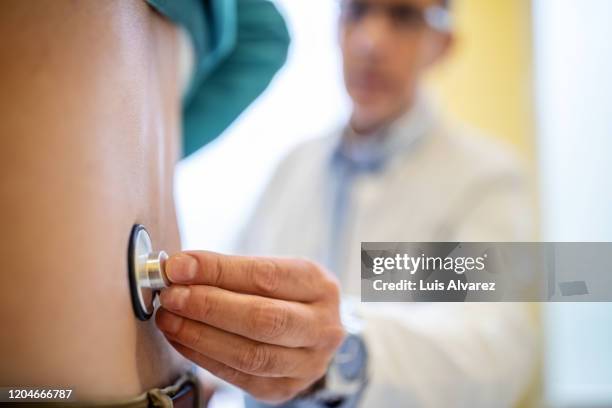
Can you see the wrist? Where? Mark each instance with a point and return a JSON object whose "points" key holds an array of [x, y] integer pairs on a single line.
{"points": [[347, 374]]}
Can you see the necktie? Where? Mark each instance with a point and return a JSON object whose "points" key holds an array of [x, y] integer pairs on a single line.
{"points": [[347, 166]]}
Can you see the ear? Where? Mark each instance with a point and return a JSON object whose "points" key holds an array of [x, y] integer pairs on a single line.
{"points": [[438, 47]]}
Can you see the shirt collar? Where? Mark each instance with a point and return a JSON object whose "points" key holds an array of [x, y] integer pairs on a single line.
{"points": [[374, 151]]}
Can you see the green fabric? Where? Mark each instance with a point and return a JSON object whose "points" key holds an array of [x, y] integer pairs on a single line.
{"points": [[239, 46]]}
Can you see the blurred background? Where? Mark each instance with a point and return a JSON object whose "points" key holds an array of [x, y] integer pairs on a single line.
{"points": [[536, 73]]}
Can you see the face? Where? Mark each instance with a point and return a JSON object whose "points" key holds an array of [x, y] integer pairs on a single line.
{"points": [[386, 46]]}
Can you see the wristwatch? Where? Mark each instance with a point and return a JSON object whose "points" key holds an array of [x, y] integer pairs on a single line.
{"points": [[347, 374]]}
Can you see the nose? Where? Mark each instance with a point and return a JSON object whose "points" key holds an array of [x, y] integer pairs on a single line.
{"points": [[371, 36]]}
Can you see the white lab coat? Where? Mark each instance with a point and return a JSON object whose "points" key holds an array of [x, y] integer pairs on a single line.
{"points": [[442, 184]]}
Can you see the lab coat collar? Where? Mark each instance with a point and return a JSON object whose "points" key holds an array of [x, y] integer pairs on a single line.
{"points": [[399, 137]]}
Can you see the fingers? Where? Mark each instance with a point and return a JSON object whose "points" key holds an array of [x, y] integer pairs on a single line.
{"points": [[271, 390], [239, 353], [262, 319], [280, 278], [268, 325]]}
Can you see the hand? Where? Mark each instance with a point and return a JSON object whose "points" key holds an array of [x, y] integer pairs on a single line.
{"points": [[267, 325]]}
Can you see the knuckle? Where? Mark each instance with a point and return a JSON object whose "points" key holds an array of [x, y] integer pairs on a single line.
{"points": [[255, 392], [333, 290], [314, 269], [293, 388], [215, 274], [318, 367], [206, 306], [264, 393], [285, 394], [264, 275], [276, 391], [269, 319], [255, 359], [192, 335], [321, 370], [337, 336], [324, 280], [233, 376], [333, 337], [282, 394]]}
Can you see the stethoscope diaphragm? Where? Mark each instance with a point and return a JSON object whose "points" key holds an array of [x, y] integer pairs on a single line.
{"points": [[146, 270]]}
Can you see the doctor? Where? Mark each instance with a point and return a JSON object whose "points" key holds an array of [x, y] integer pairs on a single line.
{"points": [[399, 172]]}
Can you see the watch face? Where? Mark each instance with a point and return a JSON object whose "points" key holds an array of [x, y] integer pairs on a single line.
{"points": [[351, 358]]}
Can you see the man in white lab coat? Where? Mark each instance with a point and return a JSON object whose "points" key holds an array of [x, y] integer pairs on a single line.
{"points": [[399, 172]]}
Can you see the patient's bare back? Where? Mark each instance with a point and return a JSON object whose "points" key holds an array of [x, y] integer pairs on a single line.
{"points": [[89, 138]]}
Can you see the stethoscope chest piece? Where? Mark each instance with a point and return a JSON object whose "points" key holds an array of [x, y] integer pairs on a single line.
{"points": [[146, 270]]}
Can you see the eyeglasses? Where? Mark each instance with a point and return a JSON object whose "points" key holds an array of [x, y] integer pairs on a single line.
{"points": [[403, 16]]}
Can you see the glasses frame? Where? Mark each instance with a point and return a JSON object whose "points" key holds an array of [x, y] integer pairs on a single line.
{"points": [[437, 18]]}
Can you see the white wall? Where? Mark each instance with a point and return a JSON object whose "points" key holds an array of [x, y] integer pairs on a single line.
{"points": [[573, 54], [306, 100]]}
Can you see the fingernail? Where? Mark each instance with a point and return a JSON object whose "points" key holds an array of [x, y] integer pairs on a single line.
{"points": [[169, 322], [174, 297], [181, 268]]}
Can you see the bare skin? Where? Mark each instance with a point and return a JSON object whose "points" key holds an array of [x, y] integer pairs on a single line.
{"points": [[90, 136]]}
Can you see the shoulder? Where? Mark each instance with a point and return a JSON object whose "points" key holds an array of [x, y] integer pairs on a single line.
{"points": [[476, 156], [485, 183], [309, 154]]}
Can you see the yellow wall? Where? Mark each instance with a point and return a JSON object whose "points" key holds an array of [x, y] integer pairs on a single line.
{"points": [[487, 82], [487, 79]]}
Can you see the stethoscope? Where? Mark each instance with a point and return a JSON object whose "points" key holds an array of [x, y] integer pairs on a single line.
{"points": [[146, 270]]}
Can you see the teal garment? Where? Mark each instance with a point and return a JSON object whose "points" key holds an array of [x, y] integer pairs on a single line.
{"points": [[239, 46]]}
